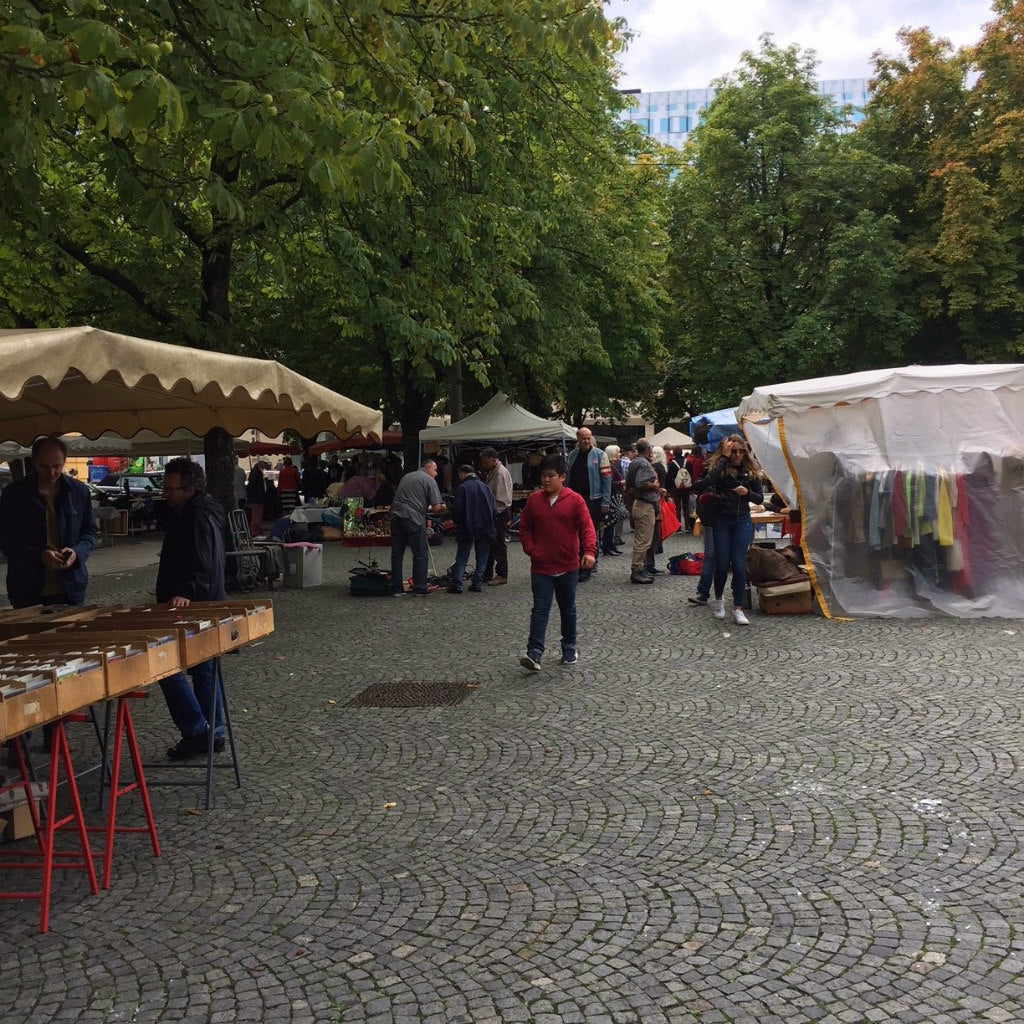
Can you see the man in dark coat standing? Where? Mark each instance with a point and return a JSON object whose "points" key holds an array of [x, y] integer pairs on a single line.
{"points": [[191, 569], [47, 531], [475, 514]]}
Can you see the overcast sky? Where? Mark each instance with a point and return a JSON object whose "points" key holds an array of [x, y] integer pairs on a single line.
{"points": [[684, 44]]}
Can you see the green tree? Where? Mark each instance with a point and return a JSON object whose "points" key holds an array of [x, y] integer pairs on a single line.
{"points": [[952, 119], [781, 265], [365, 194]]}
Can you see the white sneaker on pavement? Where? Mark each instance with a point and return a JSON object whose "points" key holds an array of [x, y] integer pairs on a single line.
{"points": [[719, 607], [739, 618]]}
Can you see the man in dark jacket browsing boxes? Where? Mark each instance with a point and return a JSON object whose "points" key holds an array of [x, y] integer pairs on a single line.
{"points": [[191, 569]]}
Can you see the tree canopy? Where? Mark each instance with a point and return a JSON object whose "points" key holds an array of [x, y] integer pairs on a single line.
{"points": [[375, 194], [781, 267]]}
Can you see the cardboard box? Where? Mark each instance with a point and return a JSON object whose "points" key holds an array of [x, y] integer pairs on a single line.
{"points": [[303, 565], [788, 599], [16, 818]]}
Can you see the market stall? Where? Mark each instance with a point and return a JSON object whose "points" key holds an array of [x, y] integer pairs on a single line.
{"points": [[910, 484], [511, 429]]}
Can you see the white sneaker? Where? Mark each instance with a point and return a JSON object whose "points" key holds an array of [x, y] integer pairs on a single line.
{"points": [[719, 607], [739, 618]]}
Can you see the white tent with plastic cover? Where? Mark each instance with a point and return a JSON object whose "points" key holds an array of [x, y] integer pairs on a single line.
{"points": [[910, 484]]}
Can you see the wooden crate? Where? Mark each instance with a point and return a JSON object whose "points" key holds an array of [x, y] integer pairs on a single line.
{"points": [[196, 641], [16, 622], [130, 660], [76, 689], [22, 708], [259, 615]]}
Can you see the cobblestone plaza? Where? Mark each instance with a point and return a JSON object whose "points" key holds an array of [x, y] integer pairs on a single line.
{"points": [[800, 820]]}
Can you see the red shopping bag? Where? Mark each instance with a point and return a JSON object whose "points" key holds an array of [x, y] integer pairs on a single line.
{"points": [[669, 519]]}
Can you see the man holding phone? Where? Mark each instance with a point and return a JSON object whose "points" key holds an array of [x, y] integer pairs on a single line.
{"points": [[47, 531]]}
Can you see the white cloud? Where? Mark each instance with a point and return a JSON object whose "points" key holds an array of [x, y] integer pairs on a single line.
{"points": [[684, 44]]}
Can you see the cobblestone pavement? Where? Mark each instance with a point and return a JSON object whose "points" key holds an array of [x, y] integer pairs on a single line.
{"points": [[796, 821]]}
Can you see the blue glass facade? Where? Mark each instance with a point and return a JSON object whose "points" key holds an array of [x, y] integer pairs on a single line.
{"points": [[657, 112]]}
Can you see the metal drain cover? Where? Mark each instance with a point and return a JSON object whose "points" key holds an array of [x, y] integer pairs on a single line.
{"points": [[411, 694]]}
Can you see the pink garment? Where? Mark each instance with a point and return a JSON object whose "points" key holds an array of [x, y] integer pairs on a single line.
{"points": [[358, 487]]}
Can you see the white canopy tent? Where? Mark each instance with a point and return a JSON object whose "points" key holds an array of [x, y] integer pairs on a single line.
{"points": [[669, 436], [910, 483], [501, 421]]}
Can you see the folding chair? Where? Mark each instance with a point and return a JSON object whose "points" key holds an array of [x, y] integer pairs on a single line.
{"points": [[251, 564]]}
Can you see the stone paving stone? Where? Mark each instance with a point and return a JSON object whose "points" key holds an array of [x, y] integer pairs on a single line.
{"points": [[798, 821]]}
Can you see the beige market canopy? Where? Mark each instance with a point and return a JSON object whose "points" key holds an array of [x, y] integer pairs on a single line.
{"points": [[91, 381], [145, 442], [672, 437]]}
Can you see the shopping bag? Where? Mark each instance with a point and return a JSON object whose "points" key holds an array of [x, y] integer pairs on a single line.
{"points": [[669, 519]]}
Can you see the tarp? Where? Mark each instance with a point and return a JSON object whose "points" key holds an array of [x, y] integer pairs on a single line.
{"points": [[671, 436], [88, 380], [501, 420], [720, 423], [388, 439], [910, 483]]}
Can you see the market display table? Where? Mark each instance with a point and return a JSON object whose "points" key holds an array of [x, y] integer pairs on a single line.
{"points": [[103, 654], [761, 521]]}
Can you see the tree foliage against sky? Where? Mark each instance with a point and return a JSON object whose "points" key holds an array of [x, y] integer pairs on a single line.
{"points": [[954, 122], [781, 265]]}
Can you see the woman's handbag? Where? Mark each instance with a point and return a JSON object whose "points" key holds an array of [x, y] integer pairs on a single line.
{"points": [[617, 511], [708, 506]]}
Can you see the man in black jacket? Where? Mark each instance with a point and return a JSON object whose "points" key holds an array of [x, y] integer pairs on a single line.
{"points": [[191, 569], [47, 531]]}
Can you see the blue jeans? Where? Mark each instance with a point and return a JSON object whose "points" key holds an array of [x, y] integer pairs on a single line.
{"points": [[188, 704], [707, 571], [482, 547], [407, 534], [732, 539], [563, 590]]}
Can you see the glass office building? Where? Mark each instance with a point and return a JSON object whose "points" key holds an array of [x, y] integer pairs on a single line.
{"points": [[670, 116]]}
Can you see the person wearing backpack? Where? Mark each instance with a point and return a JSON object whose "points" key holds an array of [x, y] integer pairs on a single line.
{"points": [[679, 483]]}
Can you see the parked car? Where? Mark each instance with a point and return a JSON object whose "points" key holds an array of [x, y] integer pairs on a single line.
{"points": [[137, 485]]}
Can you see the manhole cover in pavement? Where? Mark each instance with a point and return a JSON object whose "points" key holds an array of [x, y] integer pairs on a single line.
{"points": [[411, 694]]}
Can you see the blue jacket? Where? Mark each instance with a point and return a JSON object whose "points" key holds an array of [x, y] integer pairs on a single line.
{"points": [[23, 538], [474, 509], [600, 470]]}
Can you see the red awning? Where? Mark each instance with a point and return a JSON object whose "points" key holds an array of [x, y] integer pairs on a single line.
{"points": [[272, 448], [389, 439]]}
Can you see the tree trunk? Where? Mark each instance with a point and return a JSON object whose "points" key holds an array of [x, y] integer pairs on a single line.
{"points": [[215, 272], [216, 282], [455, 401], [220, 467]]}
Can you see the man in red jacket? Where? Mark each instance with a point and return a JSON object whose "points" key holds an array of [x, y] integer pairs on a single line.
{"points": [[557, 533]]}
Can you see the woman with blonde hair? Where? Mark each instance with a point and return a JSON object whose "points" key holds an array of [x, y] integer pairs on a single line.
{"points": [[660, 464], [734, 475]]}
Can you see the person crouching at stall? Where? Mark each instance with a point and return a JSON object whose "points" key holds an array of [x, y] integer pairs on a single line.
{"points": [[735, 477]]}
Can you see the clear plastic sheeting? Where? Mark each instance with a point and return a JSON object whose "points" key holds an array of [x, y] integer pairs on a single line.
{"points": [[912, 502]]}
